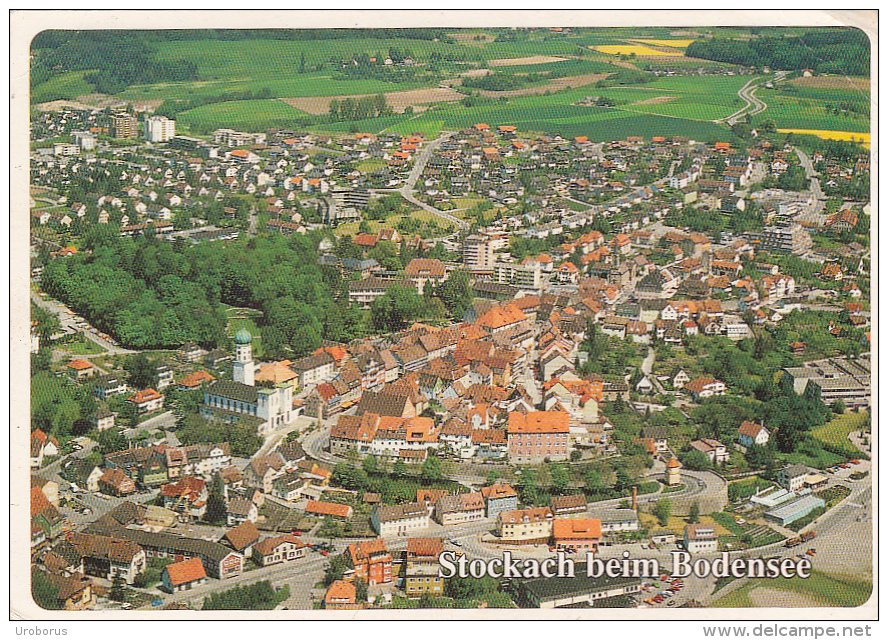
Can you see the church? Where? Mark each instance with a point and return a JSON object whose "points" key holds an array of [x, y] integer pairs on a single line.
{"points": [[230, 400]]}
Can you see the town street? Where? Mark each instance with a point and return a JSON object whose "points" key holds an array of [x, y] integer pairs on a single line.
{"points": [[418, 167]]}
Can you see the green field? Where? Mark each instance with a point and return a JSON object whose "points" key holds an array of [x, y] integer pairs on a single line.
{"points": [[248, 115], [829, 590], [554, 113], [67, 85], [808, 111], [835, 432]]}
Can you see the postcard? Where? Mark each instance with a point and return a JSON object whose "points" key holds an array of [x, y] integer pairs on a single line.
{"points": [[443, 315]]}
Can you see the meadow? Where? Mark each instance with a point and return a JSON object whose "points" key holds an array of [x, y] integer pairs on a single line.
{"points": [[244, 115], [67, 85], [555, 113], [826, 589], [835, 432], [808, 111]]}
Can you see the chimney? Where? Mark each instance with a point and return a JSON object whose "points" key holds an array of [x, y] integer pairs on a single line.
{"points": [[635, 498]]}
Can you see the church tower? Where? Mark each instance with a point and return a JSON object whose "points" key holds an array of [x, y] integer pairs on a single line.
{"points": [[244, 369]]}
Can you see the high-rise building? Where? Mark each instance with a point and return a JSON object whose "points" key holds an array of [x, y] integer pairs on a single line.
{"points": [[160, 129], [478, 252], [789, 239], [124, 125]]}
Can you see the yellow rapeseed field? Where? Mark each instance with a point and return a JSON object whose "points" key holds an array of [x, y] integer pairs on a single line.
{"points": [[832, 135], [629, 49], [676, 44]]}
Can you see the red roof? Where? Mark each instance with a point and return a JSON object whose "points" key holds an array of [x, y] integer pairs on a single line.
{"points": [[186, 571], [328, 509], [145, 395], [79, 365], [539, 422]]}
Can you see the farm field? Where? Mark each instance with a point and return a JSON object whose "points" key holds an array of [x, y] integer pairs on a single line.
{"points": [[832, 82], [630, 49], [676, 44], [398, 100], [246, 115], [821, 588], [555, 113], [806, 112]]}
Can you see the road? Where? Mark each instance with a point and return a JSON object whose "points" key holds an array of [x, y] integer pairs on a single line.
{"points": [[68, 322], [753, 104], [813, 176], [418, 167]]}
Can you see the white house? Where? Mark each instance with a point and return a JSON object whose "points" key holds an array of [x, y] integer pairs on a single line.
{"points": [[751, 433]]}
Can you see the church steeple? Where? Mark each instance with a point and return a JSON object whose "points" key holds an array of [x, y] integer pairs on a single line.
{"points": [[244, 369]]}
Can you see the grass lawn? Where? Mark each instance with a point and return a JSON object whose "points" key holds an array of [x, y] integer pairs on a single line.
{"points": [[82, 347], [237, 321], [835, 432], [837, 591]]}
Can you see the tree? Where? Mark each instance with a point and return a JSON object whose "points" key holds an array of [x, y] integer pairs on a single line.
{"points": [[431, 469], [111, 441], [559, 478], [117, 593], [492, 477], [216, 510], [694, 515], [663, 510], [369, 464], [456, 294], [837, 406], [336, 568], [142, 372], [400, 469], [695, 460], [360, 590]]}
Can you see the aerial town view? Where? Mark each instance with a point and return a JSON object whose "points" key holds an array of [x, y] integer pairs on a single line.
{"points": [[450, 318]]}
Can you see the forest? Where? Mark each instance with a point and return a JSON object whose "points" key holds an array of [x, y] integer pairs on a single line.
{"points": [[841, 51], [114, 60]]}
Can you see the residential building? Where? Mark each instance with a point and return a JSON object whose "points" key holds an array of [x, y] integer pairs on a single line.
{"points": [[147, 400], [792, 239], [421, 567], [568, 506], [576, 534], [499, 497], [751, 433], [281, 549], [341, 595], [464, 507], [713, 449], [792, 477], [399, 520], [106, 557], [160, 129], [537, 435], [705, 387], [124, 125], [372, 561], [700, 538], [525, 526], [183, 576]]}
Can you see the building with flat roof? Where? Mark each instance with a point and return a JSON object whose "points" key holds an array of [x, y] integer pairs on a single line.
{"points": [[792, 510], [566, 592]]}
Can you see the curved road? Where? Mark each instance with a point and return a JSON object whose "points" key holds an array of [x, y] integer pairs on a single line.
{"points": [[753, 104], [418, 167]]}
